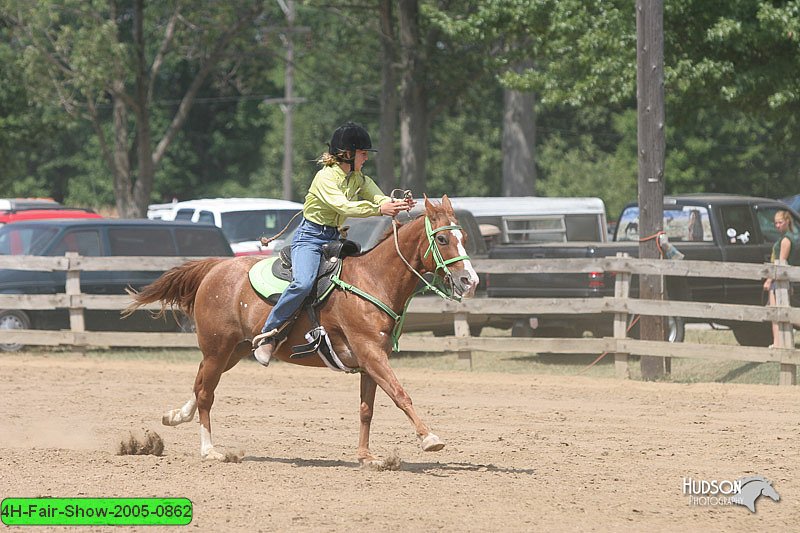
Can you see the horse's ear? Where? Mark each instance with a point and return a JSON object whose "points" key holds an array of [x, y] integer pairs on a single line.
{"points": [[430, 209], [448, 207]]}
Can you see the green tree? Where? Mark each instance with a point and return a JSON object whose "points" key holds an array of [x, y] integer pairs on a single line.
{"points": [[102, 61], [33, 139], [731, 83]]}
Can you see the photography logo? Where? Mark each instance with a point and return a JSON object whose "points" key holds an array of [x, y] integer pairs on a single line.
{"points": [[743, 491]]}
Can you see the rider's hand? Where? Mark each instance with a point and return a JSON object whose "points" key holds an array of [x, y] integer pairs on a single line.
{"points": [[391, 208], [410, 202]]}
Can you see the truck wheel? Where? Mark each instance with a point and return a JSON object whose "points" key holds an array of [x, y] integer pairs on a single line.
{"points": [[753, 333], [522, 328], [676, 329], [13, 320]]}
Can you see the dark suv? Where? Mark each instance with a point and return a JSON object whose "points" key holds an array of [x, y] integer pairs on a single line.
{"points": [[97, 238]]}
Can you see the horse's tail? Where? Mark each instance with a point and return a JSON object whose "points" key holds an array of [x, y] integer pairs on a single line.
{"points": [[177, 286]]}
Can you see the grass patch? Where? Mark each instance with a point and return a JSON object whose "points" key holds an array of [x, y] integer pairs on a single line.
{"points": [[704, 371], [170, 355], [683, 370], [511, 363], [687, 370], [710, 336]]}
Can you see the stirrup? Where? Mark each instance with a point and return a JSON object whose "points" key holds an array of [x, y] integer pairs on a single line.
{"points": [[259, 339]]}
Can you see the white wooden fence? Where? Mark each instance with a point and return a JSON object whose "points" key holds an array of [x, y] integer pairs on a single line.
{"points": [[620, 305]]}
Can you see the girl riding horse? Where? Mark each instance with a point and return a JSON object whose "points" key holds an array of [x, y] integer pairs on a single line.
{"points": [[360, 319], [338, 191]]}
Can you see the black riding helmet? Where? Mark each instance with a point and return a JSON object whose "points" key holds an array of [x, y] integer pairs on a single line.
{"points": [[350, 137]]}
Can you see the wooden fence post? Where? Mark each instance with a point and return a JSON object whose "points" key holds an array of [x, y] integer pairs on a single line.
{"points": [[788, 375], [622, 287], [461, 328], [77, 323]]}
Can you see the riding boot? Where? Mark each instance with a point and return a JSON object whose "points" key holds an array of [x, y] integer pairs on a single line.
{"points": [[263, 353]]}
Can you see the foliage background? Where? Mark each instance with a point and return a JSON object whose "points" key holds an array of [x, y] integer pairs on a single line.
{"points": [[732, 88]]}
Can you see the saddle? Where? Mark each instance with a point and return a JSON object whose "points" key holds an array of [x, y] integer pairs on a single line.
{"points": [[270, 277], [330, 264]]}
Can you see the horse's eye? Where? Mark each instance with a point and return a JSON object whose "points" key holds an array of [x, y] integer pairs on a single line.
{"points": [[441, 239]]}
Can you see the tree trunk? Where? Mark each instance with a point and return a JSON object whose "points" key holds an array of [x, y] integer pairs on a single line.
{"points": [[122, 167], [144, 143], [388, 120], [413, 109], [519, 143]]}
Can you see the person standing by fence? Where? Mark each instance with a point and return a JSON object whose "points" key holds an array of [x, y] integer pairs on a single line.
{"points": [[786, 248]]}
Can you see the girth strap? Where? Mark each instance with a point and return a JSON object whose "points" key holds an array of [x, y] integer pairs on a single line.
{"points": [[355, 290], [398, 319]]}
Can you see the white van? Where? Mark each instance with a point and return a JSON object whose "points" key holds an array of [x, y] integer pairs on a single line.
{"points": [[243, 220], [521, 219]]}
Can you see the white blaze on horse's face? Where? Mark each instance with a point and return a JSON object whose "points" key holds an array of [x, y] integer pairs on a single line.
{"points": [[467, 279]]}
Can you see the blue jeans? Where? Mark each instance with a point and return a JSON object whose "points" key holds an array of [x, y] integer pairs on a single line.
{"points": [[306, 253]]}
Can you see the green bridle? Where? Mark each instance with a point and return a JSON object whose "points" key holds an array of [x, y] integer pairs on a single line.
{"points": [[441, 263], [439, 285]]}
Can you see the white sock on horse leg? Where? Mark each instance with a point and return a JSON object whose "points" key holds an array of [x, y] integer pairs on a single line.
{"points": [[179, 416], [205, 441]]}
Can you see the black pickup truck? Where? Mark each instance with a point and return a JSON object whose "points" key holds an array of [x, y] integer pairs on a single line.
{"points": [[709, 227]]}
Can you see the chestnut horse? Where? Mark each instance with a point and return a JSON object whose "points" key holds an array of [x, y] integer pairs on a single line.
{"points": [[228, 313]]}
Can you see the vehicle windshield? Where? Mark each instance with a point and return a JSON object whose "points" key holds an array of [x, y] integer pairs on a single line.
{"points": [[239, 226], [21, 240]]}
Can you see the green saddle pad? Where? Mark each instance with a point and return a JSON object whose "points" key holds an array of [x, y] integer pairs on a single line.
{"points": [[263, 281]]}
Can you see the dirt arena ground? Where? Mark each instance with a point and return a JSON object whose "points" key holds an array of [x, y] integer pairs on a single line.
{"points": [[524, 452]]}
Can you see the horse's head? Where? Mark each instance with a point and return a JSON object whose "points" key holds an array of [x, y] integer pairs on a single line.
{"points": [[768, 490], [444, 252]]}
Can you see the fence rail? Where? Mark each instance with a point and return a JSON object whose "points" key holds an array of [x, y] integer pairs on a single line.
{"points": [[620, 306]]}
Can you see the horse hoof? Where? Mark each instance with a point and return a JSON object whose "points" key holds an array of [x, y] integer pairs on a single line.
{"points": [[169, 418], [432, 443]]}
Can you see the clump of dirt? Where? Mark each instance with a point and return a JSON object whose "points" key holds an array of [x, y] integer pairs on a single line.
{"points": [[392, 462], [231, 457], [150, 444]]}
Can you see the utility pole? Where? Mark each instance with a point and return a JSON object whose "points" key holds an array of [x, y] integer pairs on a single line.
{"points": [[651, 155], [288, 125]]}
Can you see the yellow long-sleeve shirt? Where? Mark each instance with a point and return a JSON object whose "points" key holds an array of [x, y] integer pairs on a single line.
{"points": [[334, 196]]}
